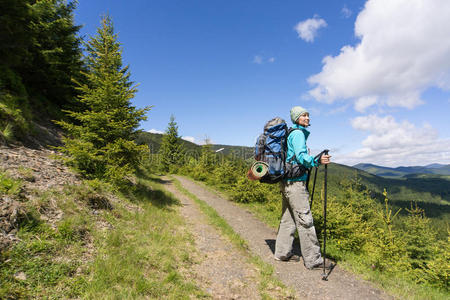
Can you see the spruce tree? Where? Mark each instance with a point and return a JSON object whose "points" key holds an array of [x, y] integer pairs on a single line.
{"points": [[40, 55], [208, 159], [100, 140], [171, 151]]}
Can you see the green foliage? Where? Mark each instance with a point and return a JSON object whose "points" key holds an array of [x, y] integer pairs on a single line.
{"points": [[40, 56], [419, 237], [13, 118], [208, 161], [246, 191], [224, 175], [99, 141], [437, 271], [171, 152], [9, 186]]}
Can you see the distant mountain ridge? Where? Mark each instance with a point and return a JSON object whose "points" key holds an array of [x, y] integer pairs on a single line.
{"points": [[435, 169], [154, 140]]}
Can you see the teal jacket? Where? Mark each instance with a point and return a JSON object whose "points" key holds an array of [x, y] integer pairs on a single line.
{"points": [[296, 144]]}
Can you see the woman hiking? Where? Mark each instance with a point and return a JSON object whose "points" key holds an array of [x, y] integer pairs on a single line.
{"points": [[296, 212]]}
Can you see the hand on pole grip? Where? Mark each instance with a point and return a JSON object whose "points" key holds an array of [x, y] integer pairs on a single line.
{"points": [[318, 157]]}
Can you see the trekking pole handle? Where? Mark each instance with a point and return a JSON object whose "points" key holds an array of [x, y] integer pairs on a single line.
{"points": [[318, 156]]}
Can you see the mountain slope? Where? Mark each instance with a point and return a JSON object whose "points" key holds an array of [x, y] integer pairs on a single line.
{"points": [[438, 169], [431, 192]]}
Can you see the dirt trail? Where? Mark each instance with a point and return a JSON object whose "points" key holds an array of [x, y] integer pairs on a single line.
{"points": [[221, 270], [261, 239]]}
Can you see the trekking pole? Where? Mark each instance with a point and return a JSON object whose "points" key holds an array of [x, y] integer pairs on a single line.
{"points": [[324, 274], [314, 187], [307, 178], [317, 158]]}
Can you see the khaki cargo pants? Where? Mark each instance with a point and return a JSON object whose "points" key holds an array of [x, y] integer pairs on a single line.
{"points": [[296, 215]]}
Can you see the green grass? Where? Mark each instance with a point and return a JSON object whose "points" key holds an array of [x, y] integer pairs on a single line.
{"points": [[143, 255], [138, 249], [9, 186], [267, 280], [48, 257]]}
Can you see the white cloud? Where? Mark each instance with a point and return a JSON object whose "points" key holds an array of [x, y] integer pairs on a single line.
{"points": [[337, 110], [392, 144], [307, 30], [363, 103], [156, 131], [258, 59], [189, 138], [346, 12], [404, 49]]}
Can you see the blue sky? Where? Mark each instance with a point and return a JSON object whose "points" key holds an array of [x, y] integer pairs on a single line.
{"points": [[375, 80]]}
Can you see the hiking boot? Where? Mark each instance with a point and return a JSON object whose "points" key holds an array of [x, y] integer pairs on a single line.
{"points": [[328, 266], [292, 257]]}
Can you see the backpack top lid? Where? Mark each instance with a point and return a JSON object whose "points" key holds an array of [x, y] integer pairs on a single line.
{"points": [[275, 121]]}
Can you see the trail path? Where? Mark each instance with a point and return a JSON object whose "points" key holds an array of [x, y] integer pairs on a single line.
{"points": [[221, 270], [261, 240]]}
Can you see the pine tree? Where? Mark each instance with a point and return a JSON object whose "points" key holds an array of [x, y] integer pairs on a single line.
{"points": [[208, 159], [40, 55], [40, 46], [100, 140], [171, 151], [57, 55]]}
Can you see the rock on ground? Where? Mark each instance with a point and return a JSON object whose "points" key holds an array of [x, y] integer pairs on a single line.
{"points": [[38, 171]]}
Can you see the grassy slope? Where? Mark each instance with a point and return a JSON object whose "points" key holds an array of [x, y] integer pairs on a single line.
{"points": [[138, 249]]}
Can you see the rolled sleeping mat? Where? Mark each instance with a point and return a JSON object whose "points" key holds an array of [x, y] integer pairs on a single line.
{"points": [[258, 170]]}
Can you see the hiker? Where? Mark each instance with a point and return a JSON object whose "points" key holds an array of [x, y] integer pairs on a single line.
{"points": [[296, 213]]}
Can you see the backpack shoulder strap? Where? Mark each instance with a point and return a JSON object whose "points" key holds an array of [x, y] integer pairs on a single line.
{"points": [[290, 130]]}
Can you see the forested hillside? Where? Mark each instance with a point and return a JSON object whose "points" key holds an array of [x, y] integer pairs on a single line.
{"points": [[436, 169], [40, 58], [154, 141]]}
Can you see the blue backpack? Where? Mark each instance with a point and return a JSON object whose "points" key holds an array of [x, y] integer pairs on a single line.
{"points": [[271, 148]]}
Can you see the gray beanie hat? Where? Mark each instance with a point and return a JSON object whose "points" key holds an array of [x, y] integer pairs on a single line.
{"points": [[296, 112]]}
